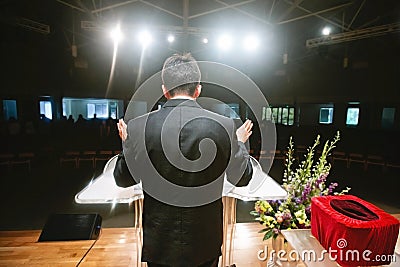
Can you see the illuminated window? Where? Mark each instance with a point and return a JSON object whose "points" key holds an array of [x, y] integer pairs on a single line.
{"points": [[291, 116], [45, 109], [388, 117], [276, 115], [280, 115], [100, 109], [230, 110], [326, 115], [87, 107], [10, 109], [352, 116], [266, 113], [233, 110], [113, 110]]}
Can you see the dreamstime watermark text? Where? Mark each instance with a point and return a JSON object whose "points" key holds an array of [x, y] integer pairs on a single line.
{"points": [[310, 255]]}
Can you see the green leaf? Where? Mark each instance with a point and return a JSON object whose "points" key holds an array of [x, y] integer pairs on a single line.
{"points": [[264, 230], [268, 234]]}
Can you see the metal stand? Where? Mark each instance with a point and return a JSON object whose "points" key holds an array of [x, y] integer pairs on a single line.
{"points": [[229, 224], [139, 231]]}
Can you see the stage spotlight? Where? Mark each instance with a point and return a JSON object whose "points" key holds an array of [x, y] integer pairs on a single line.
{"points": [[225, 42], [205, 41], [145, 38], [116, 34], [251, 43], [171, 38], [326, 31]]}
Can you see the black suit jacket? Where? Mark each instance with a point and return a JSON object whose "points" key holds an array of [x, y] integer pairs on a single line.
{"points": [[176, 234]]}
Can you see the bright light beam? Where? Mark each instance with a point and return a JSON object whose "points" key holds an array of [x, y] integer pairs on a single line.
{"points": [[225, 42], [251, 43], [116, 34], [171, 38], [326, 31], [145, 38]]}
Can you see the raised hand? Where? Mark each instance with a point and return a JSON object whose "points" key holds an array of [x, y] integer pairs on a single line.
{"points": [[243, 132], [122, 129]]}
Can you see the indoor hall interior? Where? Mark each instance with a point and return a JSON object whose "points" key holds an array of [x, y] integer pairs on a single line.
{"points": [[71, 69]]}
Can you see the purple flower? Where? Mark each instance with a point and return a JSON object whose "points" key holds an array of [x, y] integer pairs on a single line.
{"points": [[298, 200], [275, 204], [321, 179], [276, 231], [331, 187], [306, 192], [308, 210], [286, 223], [286, 216]]}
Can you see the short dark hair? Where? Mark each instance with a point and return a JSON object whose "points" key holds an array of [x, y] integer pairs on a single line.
{"points": [[181, 74]]}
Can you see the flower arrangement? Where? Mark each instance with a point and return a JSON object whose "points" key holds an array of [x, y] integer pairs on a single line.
{"points": [[303, 183]]}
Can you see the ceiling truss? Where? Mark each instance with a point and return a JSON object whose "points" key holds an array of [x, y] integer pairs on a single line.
{"points": [[348, 33], [353, 35]]}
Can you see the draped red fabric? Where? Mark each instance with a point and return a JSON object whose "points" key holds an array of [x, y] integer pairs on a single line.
{"points": [[353, 209], [353, 231]]}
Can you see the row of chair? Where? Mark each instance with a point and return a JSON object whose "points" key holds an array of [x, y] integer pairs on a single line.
{"points": [[77, 158], [347, 158], [12, 160], [90, 156], [365, 160]]}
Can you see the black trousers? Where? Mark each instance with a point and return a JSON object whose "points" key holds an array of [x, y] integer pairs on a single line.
{"points": [[211, 263]]}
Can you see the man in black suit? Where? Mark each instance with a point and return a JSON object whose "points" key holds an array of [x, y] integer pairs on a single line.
{"points": [[181, 154]]}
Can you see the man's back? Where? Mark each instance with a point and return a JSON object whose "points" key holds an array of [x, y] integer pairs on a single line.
{"points": [[181, 236], [181, 154]]}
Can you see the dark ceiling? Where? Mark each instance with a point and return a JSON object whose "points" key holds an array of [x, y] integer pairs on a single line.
{"points": [[39, 36]]}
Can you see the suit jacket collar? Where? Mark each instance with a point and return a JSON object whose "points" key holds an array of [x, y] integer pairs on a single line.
{"points": [[181, 103]]}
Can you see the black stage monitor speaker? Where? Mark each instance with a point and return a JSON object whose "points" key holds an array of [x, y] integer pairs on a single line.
{"points": [[64, 227]]}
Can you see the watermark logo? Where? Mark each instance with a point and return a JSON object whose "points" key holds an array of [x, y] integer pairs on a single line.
{"points": [[310, 255], [154, 181], [341, 243]]}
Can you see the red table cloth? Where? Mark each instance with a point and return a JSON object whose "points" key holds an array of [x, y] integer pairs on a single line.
{"points": [[353, 231]]}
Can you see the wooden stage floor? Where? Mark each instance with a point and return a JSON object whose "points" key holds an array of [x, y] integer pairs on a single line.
{"points": [[115, 247]]}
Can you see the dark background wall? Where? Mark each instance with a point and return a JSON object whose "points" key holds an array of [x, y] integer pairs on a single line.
{"points": [[36, 65]]}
